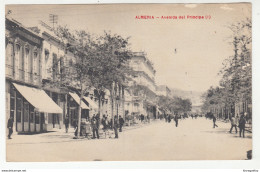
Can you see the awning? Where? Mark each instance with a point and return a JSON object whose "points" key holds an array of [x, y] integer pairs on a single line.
{"points": [[77, 99], [91, 102], [39, 99]]}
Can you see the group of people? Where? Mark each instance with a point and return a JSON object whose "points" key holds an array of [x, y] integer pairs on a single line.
{"points": [[194, 116], [235, 121], [168, 119], [93, 125], [144, 119], [239, 122]]}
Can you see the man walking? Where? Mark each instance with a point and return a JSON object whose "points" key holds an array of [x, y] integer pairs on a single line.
{"points": [[214, 121], [121, 123], [242, 125], [176, 118], [233, 123], [10, 127]]}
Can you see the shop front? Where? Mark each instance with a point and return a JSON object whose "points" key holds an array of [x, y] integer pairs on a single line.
{"points": [[73, 107], [30, 108], [93, 107]]}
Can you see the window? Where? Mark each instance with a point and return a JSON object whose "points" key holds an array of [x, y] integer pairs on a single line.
{"points": [[20, 57], [61, 65], [62, 98], [9, 54], [54, 65], [26, 70], [46, 53], [31, 116], [17, 49], [12, 102], [19, 110], [50, 118], [35, 57], [37, 117], [55, 97], [27, 51], [26, 112]]}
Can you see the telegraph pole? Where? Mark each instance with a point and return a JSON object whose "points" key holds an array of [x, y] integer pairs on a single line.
{"points": [[53, 19]]}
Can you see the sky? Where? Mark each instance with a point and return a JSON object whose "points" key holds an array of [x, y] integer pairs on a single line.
{"points": [[201, 44]]}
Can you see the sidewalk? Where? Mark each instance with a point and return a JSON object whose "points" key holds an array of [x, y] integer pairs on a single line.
{"points": [[225, 126], [59, 135], [247, 128]]}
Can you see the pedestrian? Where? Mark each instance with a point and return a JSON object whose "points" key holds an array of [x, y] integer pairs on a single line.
{"points": [[242, 125], [110, 123], [148, 118], [83, 126], [94, 126], [105, 124], [214, 121], [66, 122], [233, 123], [169, 118], [166, 118], [142, 118], [176, 118], [116, 125], [88, 128], [10, 127], [121, 123]]}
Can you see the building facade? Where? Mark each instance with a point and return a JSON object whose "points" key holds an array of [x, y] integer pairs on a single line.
{"points": [[23, 79], [141, 97], [163, 90]]}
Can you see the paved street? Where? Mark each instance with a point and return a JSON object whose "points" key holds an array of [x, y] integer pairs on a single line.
{"points": [[192, 140]]}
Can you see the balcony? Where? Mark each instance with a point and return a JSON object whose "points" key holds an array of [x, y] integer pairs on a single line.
{"points": [[26, 77]]}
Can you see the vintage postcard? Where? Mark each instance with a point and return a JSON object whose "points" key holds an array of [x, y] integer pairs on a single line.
{"points": [[128, 82]]}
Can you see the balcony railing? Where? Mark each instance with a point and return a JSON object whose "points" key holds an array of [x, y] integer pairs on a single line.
{"points": [[23, 76]]}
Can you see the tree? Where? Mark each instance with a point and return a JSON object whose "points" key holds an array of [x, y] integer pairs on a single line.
{"points": [[236, 82], [100, 62], [175, 104], [78, 73], [113, 71]]}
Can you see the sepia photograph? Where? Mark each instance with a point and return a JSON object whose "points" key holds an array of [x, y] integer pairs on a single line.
{"points": [[128, 82]]}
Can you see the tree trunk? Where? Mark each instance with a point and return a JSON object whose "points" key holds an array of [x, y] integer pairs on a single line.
{"points": [[99, 104], [112, 106]]}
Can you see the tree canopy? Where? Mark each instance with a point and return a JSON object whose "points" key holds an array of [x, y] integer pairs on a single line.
{"points": [[236, 83]]}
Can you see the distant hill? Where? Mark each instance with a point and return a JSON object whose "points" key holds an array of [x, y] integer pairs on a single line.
{"points": [[194, 96]]}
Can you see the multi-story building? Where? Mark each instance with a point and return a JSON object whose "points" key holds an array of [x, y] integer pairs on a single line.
{"points": [[163, 90], [55, 57], [35, 58], [141, 97], [24, 95]]}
